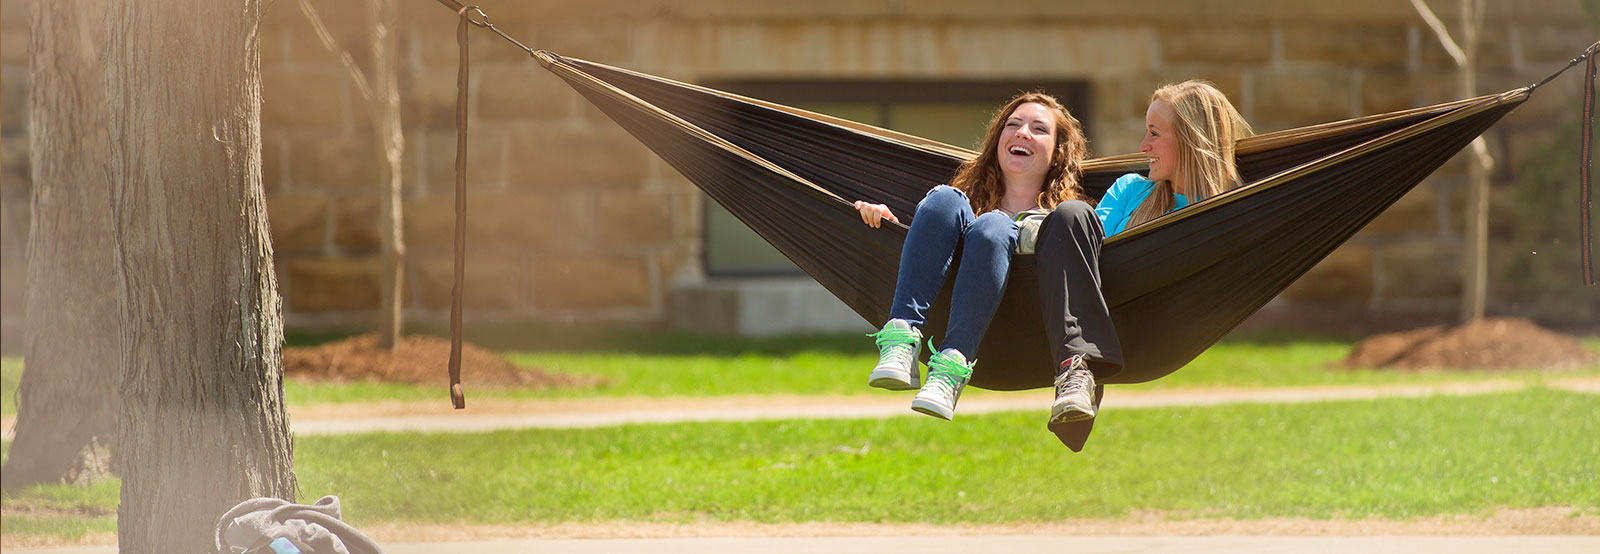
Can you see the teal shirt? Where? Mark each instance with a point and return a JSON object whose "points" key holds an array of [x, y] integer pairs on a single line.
{"points": [[1125, 196]]}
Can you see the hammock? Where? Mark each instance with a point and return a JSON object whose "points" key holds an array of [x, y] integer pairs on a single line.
{"points": [[1175, 286]]}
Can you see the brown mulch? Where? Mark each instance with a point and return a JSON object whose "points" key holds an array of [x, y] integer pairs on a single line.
{"points": [[1486, 344], [417, 359]]}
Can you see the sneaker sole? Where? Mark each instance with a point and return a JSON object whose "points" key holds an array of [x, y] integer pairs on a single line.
{"points": [[891, 379], [934, 409], [1071, 415]]}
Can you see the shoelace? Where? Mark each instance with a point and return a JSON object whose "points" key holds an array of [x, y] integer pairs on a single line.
{"points": [[897, 344], [1072, 382], [946, 374]]}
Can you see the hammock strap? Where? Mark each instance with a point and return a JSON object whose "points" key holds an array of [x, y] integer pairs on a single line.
{"points": [[457, 398], [483, 21], [1585, 161]]}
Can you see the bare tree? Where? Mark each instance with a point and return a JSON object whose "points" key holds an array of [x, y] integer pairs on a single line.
{"points": [[383, 109], [1475, 253], [202, 423], [66, 417]]}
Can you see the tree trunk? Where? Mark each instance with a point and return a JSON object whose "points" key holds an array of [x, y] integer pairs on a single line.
{"points": [[1475, 269], [382, 98], [1475, 247], [202, 423], [1475, 253], [386, 104], [66, 417]]}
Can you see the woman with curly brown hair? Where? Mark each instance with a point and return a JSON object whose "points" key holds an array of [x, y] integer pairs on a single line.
{"points": [[1028, 166]]}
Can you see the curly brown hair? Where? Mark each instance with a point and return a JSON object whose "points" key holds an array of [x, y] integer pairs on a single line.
{"points": [[980, 177]]}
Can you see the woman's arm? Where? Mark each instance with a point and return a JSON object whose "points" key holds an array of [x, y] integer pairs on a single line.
{"points": [[1113, 209]]}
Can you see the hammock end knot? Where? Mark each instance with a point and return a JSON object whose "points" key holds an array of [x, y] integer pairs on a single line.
{"points": [[457, 398], [546, 58]]}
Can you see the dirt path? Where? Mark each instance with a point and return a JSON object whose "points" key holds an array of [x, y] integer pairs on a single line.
{"points": [[494, 414], [488, 414]]}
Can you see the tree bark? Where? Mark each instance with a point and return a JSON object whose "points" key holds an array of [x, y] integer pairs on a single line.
{"points": [[66, 418], [202, 423]]}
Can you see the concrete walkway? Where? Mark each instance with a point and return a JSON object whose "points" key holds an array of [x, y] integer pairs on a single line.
{"points": [[1003, 544]]}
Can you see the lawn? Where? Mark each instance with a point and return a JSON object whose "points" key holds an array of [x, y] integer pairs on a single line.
{"points": [[1395, 458], [1398, 458], [62, 511], [690, 365], [702, 366]]}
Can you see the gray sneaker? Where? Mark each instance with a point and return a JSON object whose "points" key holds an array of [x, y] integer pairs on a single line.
{"points": [[948, 373], [898, 344], [1074, 392]]}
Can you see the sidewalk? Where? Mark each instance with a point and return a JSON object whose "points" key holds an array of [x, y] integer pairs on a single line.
{"points": [[990, 544]]}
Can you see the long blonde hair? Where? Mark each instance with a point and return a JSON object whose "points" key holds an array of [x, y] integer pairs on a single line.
{"points": [[1207, 129], [980, 177]]}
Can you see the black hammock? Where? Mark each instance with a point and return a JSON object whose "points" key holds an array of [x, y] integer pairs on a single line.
{"points": [[1175, 286]]}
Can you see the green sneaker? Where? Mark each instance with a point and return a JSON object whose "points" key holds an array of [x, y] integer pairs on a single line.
{"points": [[948, 373], [898, 344]]}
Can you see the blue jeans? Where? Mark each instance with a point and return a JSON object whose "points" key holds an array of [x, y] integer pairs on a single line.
{"points": [[943, 223]]}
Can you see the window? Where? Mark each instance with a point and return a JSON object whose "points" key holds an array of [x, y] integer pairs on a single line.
{"points": [[953, 112]]}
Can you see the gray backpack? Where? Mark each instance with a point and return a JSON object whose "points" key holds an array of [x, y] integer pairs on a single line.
{"points": [[274, 526]]}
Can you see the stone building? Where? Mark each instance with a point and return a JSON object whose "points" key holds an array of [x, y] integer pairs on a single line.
{"points": [[574, 222]]}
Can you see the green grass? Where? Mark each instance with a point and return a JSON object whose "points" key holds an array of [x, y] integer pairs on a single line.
{"points": [[1308, 362], [1393, 457], [1396, 458], [62, 511], [689, 365], [10, 379]]}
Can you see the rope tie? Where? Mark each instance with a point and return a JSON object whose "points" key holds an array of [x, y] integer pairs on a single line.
{"points": [[1585, 163], [457, 397], [1585, 157]]}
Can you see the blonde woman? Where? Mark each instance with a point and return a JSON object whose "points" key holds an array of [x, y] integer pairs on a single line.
{"points": [[1190, 132], [1029, 164]]}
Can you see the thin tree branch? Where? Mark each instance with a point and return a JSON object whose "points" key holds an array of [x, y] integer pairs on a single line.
{"points": [[344, 53], [1433, 23], [1472, 25]]}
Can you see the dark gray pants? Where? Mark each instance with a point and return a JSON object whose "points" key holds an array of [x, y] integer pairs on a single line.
{"points": [[1076, 320]]}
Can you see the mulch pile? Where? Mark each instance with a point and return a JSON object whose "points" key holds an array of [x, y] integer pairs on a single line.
{"points": [[417, 359], [1486, 344]]}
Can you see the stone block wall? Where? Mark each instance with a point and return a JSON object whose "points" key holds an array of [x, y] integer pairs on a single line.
{"points": [[572, 220]]}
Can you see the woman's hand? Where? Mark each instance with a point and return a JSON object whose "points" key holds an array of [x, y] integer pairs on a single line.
{"points": [[874, 214]]}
